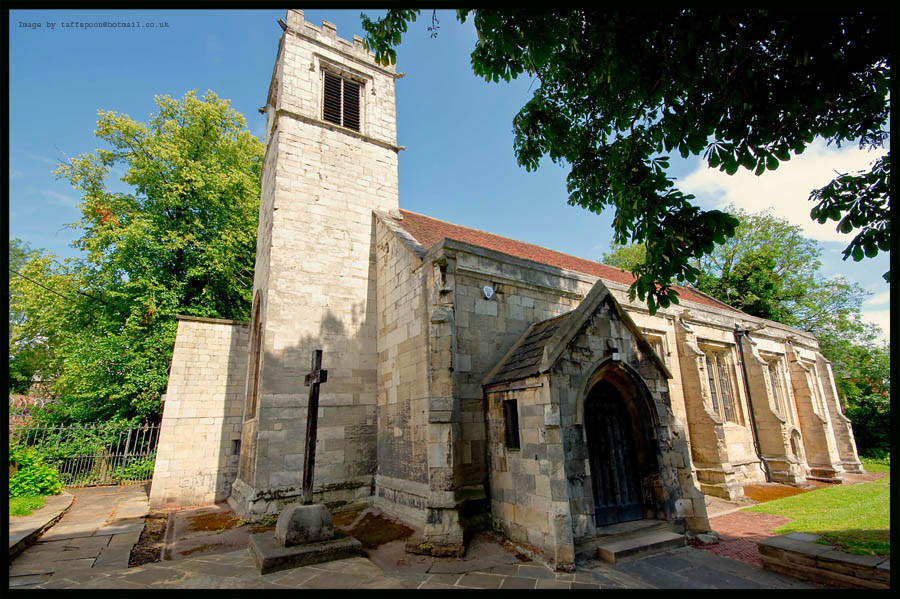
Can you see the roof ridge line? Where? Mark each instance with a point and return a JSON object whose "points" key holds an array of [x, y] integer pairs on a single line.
{"points": [[446, 222]]}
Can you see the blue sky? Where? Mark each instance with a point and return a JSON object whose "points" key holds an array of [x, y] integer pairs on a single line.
{"points": [[457, 129]]}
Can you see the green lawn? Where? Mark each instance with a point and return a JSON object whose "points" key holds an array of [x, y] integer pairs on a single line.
{"points": [[854, 518], [22, 506], [876, 465]]}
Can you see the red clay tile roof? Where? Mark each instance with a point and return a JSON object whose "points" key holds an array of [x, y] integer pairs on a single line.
{"points": [[429, 231]]}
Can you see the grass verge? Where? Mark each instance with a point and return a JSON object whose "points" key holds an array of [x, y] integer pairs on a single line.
{"points": [[22, 506], [853, 518], [876, 464]]}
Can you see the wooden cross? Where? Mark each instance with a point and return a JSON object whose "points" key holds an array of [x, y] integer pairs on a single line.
{"points": [[312, 380]]}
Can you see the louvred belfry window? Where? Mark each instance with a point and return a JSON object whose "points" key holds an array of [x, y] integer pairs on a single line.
{"points": [[340, 103]]}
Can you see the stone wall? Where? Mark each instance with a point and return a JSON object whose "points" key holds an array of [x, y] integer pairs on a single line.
{"points": [[401, 481], [197, 455], [528, 496], [801, 556], [487, 328], [772, 407]]}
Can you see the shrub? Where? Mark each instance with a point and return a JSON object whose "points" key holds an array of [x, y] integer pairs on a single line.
{"points": [[136, 469], [878, 456], [32, 476]]}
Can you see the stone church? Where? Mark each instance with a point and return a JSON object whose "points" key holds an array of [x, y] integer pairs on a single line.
{"points": [[472, 378]]}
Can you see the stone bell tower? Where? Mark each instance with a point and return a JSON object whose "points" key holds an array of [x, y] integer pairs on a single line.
{"points": [[330, 161]]}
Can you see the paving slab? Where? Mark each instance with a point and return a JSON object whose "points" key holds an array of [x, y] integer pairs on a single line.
{"points": [[660, 578], [514, 582], [583, 585], [25, 530], [72, 553], [28, 580], [477, 580]]}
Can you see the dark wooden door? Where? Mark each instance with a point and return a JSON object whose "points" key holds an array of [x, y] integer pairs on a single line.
{"points": [[611, 451]]}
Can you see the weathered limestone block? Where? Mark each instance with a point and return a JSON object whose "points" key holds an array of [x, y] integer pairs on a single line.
{"points": [[301, 524]]}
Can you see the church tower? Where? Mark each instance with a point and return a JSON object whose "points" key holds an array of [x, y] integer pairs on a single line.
{"points": [[330, 161]]}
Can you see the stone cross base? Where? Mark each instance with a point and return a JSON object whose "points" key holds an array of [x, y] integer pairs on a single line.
{"points": [[270, 556]]}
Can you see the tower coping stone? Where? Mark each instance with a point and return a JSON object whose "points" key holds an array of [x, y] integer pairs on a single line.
{"points": [[212, 320]]}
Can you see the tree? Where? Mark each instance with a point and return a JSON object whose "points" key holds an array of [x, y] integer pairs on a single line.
{"points": [[625, 256], [770, 270], [38, 284], [864, 382], [182, 242], [618, 90]]}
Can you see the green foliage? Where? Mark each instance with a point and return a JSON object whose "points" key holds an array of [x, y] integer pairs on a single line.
{"points": [[745, 88], [855, 518], [139, 468], [77, 440], [859, 201], [23, 506], [91, 454], [181, 242], [627, 256], [863, 379], [32, 476], [769, 269], [39, 289]]}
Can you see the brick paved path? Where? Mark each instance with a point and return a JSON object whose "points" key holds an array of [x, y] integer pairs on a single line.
{"points": [[739, 532]]}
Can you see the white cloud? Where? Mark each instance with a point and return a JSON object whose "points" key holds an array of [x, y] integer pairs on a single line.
{"points": [[785, 189], [883, 319], [60, 199], [879, 298]]}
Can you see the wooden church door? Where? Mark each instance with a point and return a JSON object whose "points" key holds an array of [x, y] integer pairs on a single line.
{"points": [[611, 451]]}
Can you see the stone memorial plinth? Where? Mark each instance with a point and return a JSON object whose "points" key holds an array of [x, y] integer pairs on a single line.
{"points": [[303, 536]]}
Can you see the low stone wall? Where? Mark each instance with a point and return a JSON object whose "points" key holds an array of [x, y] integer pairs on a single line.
{"points": [[798, 555], [199, 440]]}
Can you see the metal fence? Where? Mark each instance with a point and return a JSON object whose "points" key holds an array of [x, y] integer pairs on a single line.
{"points": [[93, 454]]}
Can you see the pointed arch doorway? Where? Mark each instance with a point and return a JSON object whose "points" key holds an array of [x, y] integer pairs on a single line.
{"points": [[615, 439]]}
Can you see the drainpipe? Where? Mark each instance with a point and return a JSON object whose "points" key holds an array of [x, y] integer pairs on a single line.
{"points": [[738, 333]]}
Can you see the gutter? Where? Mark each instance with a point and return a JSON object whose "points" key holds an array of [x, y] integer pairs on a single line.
{"points": [[738, 333]]}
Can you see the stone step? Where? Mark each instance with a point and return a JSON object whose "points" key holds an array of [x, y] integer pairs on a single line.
{"points": [[617, 549], [623, 529], [586, 549]]}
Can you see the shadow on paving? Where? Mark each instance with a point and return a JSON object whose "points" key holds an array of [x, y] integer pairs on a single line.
{"points": [[209, 550]]}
